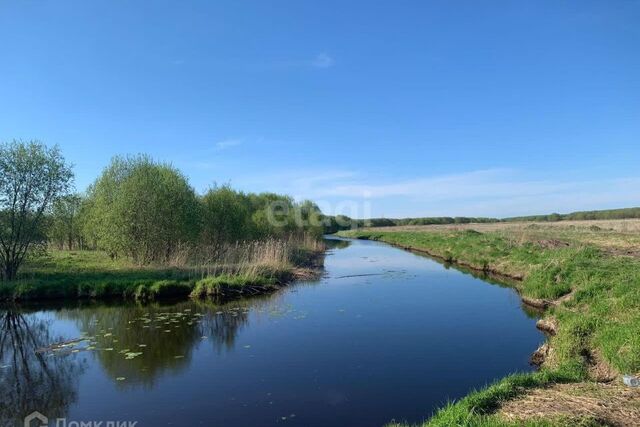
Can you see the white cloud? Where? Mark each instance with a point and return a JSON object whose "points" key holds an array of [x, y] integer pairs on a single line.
{"points": [[227, 143], [322, 60], [494, 192]]}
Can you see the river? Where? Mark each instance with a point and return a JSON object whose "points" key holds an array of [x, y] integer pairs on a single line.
{"points": [[384, 335]]}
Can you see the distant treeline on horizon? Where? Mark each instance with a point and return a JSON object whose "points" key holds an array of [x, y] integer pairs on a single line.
{"points": [[624, 213]]}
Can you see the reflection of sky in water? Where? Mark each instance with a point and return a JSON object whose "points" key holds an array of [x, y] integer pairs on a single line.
{"points": [[384, 334]]}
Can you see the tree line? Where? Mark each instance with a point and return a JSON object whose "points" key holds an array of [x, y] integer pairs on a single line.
{"points": [[137, 208], [624, 213], [147, 211]]}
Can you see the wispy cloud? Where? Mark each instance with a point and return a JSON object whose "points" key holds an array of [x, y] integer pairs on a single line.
{"points": [[227, 143], [322, 60], [493, 192]]}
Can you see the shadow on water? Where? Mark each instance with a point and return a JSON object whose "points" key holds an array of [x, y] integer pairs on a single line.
{"points": [[334, 242], [485, 276], [30, 380]]}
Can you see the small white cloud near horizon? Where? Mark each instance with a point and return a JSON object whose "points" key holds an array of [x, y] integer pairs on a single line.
{"points": [[227, 143], [322, 60]]}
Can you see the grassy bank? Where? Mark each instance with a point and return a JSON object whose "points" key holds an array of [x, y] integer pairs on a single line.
{"points": [[592, 293], [243, 269]]}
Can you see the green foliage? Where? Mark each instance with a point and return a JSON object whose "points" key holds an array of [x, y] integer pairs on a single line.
{"points": [[221, 285], [230, 216], [147, 211], [142, 209], [32, 178], [582, 215], [162, 289], [226, 216], [65, 229], [62, 274], [84, 274], [476, 409], [340, 223]]}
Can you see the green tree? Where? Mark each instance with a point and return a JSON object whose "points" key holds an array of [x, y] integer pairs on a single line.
{"points": [[32, 178], [226, 216], [272, 215], [65, 229], [142, 209], [309, 218]]}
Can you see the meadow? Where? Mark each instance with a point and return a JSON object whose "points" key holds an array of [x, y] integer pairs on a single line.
{"points": [[224, 271]]}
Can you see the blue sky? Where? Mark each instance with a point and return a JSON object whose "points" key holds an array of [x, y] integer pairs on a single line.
{"points": [[383, 108]]}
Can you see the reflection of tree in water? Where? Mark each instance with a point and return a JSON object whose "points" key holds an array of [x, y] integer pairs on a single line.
{"points": [[160, 337], [142, 329], [336, 243], [223, 322], [117, 330], [29, 380], [492, 278]]}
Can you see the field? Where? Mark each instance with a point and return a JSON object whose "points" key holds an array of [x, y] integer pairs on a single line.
{"points": [[586, 277], [621, 234]]}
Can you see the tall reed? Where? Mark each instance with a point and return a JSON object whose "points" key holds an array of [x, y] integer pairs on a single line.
{"points": [[250, 258]]}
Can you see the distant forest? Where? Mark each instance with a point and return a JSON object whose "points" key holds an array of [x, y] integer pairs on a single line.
{"points": [[554, 217]]}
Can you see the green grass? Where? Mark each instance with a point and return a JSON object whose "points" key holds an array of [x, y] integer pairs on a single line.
{"points": [[90, 274], [476, 409], [602, 315], [254, 282], [93, 275]]}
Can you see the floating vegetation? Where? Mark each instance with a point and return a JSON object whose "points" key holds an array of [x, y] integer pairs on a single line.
{"points": [[132, 355], [65, 346]]}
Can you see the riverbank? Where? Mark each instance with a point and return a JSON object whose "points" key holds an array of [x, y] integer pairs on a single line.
{"points": [[72, 275], [590, 286]]}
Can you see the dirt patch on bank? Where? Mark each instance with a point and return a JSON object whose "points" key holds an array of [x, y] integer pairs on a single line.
{"points": [[627, 252], [552, 244], [609, 404]]}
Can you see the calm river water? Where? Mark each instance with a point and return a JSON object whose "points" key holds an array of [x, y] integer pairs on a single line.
{"points": [[385, 335]]}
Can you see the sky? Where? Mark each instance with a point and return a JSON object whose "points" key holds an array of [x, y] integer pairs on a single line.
{"points": [[370, 108]]}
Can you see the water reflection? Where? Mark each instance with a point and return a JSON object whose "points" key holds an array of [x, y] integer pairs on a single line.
{"points": [[138, 343], [134, 344], [31, 380], [334, 242], [387, 335], [486, 276]]}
